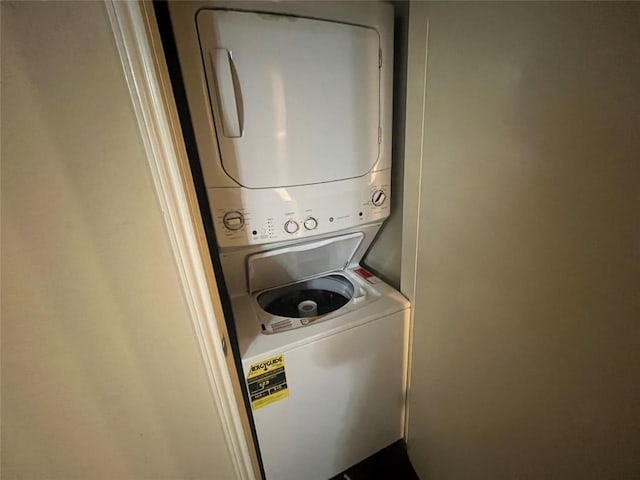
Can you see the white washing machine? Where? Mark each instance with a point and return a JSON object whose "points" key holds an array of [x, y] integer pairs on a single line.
{"points": [[291, 108], [329, 395]]}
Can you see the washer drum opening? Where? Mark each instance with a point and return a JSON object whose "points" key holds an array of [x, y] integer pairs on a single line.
{"points": [[310, 298]]}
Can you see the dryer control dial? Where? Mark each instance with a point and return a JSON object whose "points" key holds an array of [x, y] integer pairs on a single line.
{"points": [[378, 197], [291, 226], [310, 223], [233, 220]]}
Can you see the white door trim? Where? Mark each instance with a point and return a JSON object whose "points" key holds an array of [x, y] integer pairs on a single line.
{"points": [[138, 43], [414, 159]]}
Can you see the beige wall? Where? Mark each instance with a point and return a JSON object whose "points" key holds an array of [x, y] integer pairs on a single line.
{"points": [[101, 373], [526, 350]]}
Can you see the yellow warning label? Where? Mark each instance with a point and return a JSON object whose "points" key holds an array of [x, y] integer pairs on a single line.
{"points": [[267, 382]]}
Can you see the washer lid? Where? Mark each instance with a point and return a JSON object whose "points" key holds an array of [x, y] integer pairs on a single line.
{"points": [[295, 100], [290, 264]]}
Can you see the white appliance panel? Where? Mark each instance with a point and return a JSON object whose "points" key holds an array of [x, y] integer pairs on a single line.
{"points": [[346, 401], [304, 260], [264, 216], [296, 100]]}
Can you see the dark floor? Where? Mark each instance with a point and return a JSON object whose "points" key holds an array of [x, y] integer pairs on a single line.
{"points": [[390, 463]]}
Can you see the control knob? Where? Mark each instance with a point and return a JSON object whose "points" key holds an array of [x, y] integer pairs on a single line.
{"points": [[310, 223], [291, 226], [233, 220], [378, 197]]}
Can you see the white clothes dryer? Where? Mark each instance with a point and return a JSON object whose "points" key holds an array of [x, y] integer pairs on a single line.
{"points": [[291, 104]]}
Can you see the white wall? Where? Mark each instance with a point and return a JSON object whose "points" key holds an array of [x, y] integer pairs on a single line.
{"points": [[526, 350], [101, 374]]}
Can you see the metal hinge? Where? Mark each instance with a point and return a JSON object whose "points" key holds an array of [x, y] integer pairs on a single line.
{"points": [[224, 346], [379, 135]]}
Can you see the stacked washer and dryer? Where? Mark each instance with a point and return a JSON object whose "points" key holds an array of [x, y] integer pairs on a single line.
{"points": [[291, 108]]}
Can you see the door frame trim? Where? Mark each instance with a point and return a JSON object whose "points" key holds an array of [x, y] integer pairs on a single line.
{"points": [[139, 46], [417, 53]]}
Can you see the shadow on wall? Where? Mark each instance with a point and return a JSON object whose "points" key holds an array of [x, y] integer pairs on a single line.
{"points": [[528, 270], [101, 372]]}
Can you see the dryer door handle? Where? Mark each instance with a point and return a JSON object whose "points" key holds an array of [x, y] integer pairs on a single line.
{"points": [[228, 90]]}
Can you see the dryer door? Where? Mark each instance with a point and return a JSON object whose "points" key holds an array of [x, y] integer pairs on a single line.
{"points": [[295, 100]]}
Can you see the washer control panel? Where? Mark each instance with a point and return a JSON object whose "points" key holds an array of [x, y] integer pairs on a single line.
{"points": [[378, 197], [233, 220], [251, 217], [291, 226], [310, 223]]}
